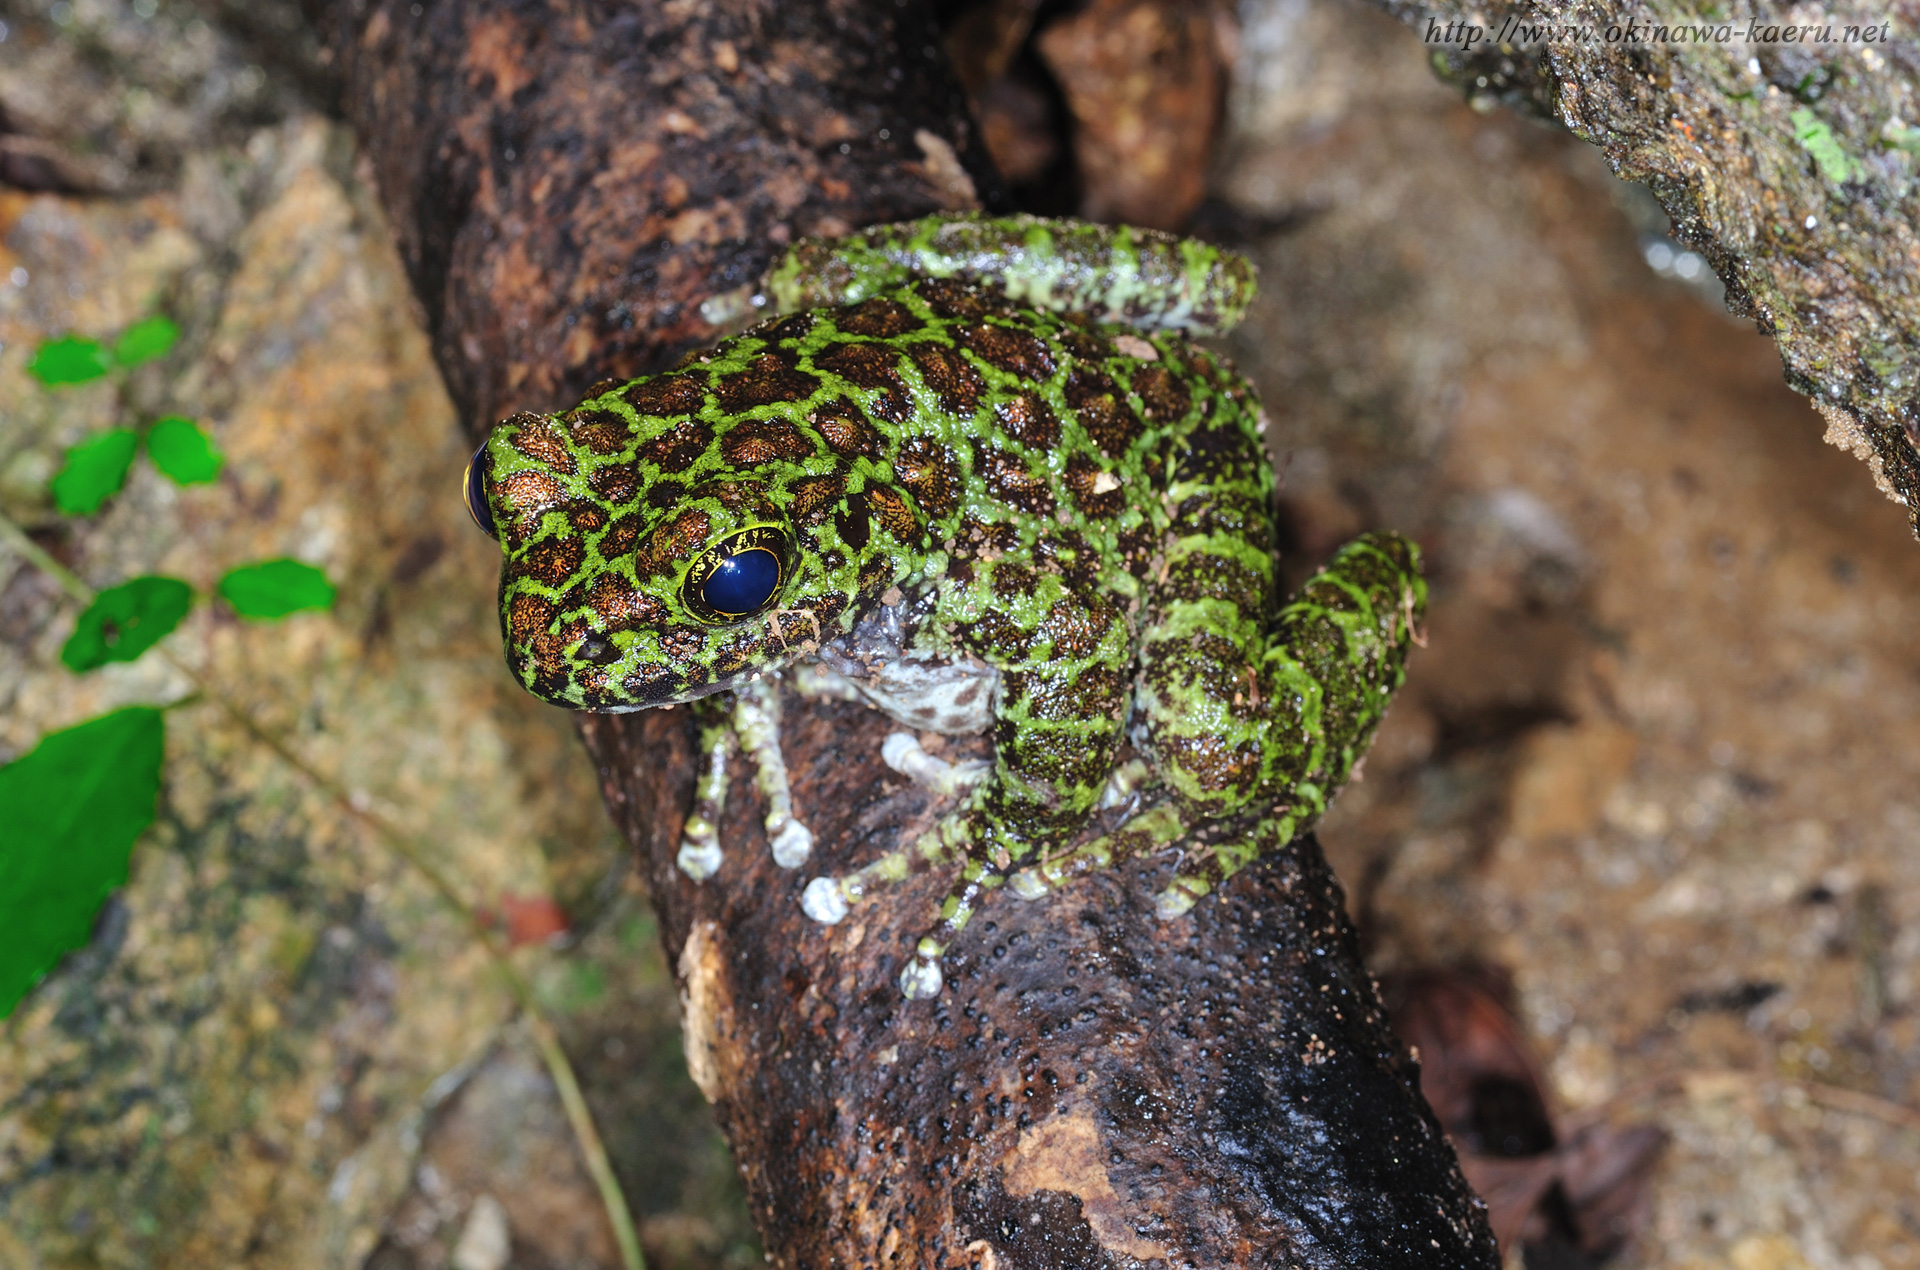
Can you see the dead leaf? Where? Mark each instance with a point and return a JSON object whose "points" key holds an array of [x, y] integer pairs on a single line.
{"points": [[1588, 1192]]}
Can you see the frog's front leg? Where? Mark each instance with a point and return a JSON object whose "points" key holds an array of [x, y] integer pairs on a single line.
{"points": [[757, 719], [754, 725], [1064, 658], [700, 856]]}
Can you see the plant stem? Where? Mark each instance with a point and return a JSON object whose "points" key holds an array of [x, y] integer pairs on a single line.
{"points": [[559, 1068], [34, 554]]}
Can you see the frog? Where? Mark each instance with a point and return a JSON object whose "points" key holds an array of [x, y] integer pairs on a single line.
{"points": [[982, 474]]}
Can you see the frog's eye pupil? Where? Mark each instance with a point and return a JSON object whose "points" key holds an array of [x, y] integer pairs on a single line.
{"points": [[742, 583], [474, 487]]}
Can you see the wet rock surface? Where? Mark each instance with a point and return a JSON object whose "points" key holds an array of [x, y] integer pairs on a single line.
{"points": [[1783, 150]]}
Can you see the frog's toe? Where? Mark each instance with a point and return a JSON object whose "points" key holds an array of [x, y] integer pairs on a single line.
{"points": [[922, 977], [825, 901], [902, 752], [792, 842], [699, 856]]}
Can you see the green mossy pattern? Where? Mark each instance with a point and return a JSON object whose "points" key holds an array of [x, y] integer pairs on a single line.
{"points": [[1083, 506]]}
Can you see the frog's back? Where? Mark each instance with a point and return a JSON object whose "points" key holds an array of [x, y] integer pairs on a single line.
{"points": [[936, 415], [1003, 425]]}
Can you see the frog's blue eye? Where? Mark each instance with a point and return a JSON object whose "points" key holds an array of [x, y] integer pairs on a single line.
{"points": [[742, 583], [738, 576], [474, 486]]}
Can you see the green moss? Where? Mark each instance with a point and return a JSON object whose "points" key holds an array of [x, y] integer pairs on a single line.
{"points": [[1818, 140]]}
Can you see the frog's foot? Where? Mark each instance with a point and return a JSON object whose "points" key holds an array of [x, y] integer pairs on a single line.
{"points": [[922, 976], [1158, 827], [1212, 865], [755, 725], [901, 751], [953, 841], [757, 720], [829, 899]]}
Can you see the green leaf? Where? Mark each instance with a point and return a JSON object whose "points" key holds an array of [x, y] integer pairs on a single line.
{"points": [[95, 470], [182, 451], [145, 341], [275, 588], [70, 812], [125, 621], [68, 360]]}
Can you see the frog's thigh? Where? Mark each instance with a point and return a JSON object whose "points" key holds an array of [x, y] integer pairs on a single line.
{"points": [[1056, 729], [1200, 699]]}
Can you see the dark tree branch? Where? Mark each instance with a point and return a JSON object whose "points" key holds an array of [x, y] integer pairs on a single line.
{"points": [[569, 182]]}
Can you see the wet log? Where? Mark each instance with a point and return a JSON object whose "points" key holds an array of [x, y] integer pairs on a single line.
{"points": [[569, 183]]}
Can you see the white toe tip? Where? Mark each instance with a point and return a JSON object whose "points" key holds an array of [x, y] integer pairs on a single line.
{"points": [[898, 750], [698, 860], [824, 901], [792, 844], [921, 979]]}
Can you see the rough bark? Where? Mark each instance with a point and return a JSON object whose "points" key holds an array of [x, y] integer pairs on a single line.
{"points": [[1788, 162], [569, 182]]}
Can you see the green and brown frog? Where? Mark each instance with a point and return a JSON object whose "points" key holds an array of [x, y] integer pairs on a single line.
{"points": [[977, 473]]}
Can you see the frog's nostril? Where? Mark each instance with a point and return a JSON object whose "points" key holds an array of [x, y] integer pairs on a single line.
{"points": [[473, 486], [742, 583]]}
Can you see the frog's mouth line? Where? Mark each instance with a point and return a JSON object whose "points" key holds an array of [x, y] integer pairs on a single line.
{"points": [[729, 683]]}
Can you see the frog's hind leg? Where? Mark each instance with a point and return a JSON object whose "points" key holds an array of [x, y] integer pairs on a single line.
{"points": [[1338, 653], [1203, 710], [1107, 273]]}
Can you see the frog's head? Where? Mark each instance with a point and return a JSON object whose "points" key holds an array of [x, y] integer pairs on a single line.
{"points": [[628, 583]]}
